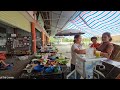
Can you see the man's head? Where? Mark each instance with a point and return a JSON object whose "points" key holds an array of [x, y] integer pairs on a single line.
{"points": [[94, 39], [77, 39]]}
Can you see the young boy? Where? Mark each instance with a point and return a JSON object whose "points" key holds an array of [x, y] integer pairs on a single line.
{"points": [[94, 42]]}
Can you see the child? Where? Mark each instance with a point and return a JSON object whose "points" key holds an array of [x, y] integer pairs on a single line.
{"points": [[2, 63], [94, 42]]}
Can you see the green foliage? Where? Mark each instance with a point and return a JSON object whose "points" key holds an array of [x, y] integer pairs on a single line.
{"points": [[52, 39], [67, 40]]}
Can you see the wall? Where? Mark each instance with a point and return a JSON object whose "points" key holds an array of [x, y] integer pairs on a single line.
{"points": [[8, 29], [23, 32], [37, 33], [11, 30], [3, 40], [15, 18]]}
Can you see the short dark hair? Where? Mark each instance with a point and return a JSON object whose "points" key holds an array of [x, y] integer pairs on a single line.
{"points": [[109, 35], [93, 38], [75, 37]]}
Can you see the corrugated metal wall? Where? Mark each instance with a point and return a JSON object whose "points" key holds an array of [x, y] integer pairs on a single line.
{"points": [[16, 19]]}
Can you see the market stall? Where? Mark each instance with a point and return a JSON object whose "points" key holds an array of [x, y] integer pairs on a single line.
{"points": [[18, 45], [95, 68], [46, 65], [85, 66]]}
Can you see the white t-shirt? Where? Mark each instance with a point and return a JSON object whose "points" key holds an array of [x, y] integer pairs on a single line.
{"points": [[73, 54]]}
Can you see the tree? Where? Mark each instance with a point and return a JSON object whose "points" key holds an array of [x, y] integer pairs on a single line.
{"points": [[52, 39]]}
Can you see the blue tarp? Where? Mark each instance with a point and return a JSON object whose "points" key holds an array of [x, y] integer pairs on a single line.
{"points": [[94, 23]]}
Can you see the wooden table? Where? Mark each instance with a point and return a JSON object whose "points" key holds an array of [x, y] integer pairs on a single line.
{"points": [[42, 75]]}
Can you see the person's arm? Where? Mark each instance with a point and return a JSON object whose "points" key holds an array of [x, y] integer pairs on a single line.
{"points": [[109, 51], [4, 63], [97, 45], [90, 44], [80, 51], [77, 50]]}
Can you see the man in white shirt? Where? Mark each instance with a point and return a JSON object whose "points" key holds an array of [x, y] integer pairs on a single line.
{"points": [[76, 49]]}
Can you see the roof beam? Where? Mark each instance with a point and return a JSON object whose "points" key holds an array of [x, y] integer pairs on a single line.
{"points": [[68, 21], [54, 19], [53, 26], [84, 21], [58, 14], [58, 19]]}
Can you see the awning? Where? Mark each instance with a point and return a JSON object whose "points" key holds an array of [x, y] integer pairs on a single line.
{"points": [[94, 23]]}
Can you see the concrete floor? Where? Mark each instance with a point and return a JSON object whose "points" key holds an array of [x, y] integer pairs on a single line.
{"points": [[65, 49], [16, 70]]}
